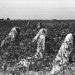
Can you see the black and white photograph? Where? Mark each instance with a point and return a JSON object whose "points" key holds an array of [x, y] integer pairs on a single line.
{"points": [[37, 37]]}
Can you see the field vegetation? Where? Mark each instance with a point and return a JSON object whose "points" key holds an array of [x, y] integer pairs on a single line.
{"points": [[57, 30]]}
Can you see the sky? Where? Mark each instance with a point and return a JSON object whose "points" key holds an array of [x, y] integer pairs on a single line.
{"points": [[37, 9]]}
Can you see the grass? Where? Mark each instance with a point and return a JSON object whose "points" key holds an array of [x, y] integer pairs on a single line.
{"points": [[57, 30]]}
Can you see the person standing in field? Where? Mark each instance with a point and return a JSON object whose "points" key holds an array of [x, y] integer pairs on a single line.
{"points": [[40, 37], [13, 36], [10, 40], [62, 58]]}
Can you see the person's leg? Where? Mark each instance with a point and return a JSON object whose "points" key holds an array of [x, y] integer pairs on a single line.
{"points": [[62, 57]]}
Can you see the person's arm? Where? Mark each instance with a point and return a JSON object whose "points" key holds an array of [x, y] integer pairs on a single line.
{"points": [[36, 37], [5, 41]]}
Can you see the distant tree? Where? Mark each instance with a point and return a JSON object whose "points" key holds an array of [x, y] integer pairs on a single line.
{"points": [[54, 19], [8, 18]]}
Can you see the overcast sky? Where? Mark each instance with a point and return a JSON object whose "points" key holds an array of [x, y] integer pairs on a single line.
{"points": [[37, 9]]}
